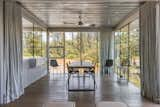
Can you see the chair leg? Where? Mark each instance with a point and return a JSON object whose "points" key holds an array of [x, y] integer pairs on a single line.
{"points": [[84, 80], [78, 80], [93, 76], [69, 75]]}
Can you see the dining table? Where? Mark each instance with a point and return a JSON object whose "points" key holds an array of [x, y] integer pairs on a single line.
{"points": [[82, 65]]}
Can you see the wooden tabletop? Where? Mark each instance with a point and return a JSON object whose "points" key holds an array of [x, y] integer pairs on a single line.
{"points": [[82, 64]]}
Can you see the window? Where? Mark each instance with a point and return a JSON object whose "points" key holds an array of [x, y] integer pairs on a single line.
{"points": [[37, 41], [72, 45], [34, 40], [44, 43], [127, 50], [27, 38], [90, 46], [56, 45], [117, 49], [134, 53], [124, 49], [66, 47]]}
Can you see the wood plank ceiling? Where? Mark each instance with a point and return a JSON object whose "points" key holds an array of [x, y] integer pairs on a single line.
{"points": [[65, 13]]}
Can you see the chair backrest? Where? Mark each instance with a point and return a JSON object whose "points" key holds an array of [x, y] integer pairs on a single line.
{"points": [[93, 68], [69, 69], [109, 63], [32, 62], [53, 63], [67, 66]]}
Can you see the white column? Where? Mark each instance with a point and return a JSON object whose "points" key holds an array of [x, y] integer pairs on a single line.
{"points": [[106, 47]]}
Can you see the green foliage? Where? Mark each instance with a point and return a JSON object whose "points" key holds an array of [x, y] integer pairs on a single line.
{"points": [[84, 43], [127, 52], [88, 49], [33, 44]]}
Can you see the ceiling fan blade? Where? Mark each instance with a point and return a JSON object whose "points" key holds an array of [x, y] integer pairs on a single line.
{"points": [[89, 25], [80, 23], [92, 25], [68, 23]]}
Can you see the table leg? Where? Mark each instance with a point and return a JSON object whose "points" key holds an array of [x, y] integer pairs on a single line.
{"points": [[94, 80]]}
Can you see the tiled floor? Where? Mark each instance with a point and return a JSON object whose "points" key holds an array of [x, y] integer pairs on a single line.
{"points": [[54, 88]]}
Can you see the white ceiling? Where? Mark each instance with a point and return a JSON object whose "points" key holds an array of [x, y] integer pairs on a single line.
{"points": [[26, 23], [99, 12]]}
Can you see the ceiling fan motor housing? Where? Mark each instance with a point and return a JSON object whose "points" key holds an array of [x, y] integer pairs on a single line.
{"points": [[80, 23]]}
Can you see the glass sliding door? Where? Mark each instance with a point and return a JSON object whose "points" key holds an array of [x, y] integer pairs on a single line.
{"points": [[90, 47], [27, 39], [34, 40], [134, 53], [44, 43], [117, 50], [72, 46], [124, 48], [37, 41], [127, 51], [56, 51], [124, 51], [82, 46], [68, 47]]}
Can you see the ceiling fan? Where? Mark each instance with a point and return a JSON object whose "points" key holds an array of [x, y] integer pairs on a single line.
{"points": [[80, 22]]}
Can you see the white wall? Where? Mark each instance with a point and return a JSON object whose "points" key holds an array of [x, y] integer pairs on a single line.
{"points": [[31, 75]]}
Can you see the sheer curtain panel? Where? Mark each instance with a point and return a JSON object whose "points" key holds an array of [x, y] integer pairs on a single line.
{"points": [[11, 46], [150, 51]]}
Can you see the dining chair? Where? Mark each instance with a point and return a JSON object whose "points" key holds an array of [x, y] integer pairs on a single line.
{"points": [[72, 71], [90, 71]]}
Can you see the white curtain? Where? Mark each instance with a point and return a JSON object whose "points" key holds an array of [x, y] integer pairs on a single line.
{"points": [[1, 50], [107, 48], [150, 51], [11, 83]]}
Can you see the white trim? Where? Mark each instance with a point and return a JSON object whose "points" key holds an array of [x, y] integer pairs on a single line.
{"points": [[129, 18], [31, 17], [77, 29]]}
